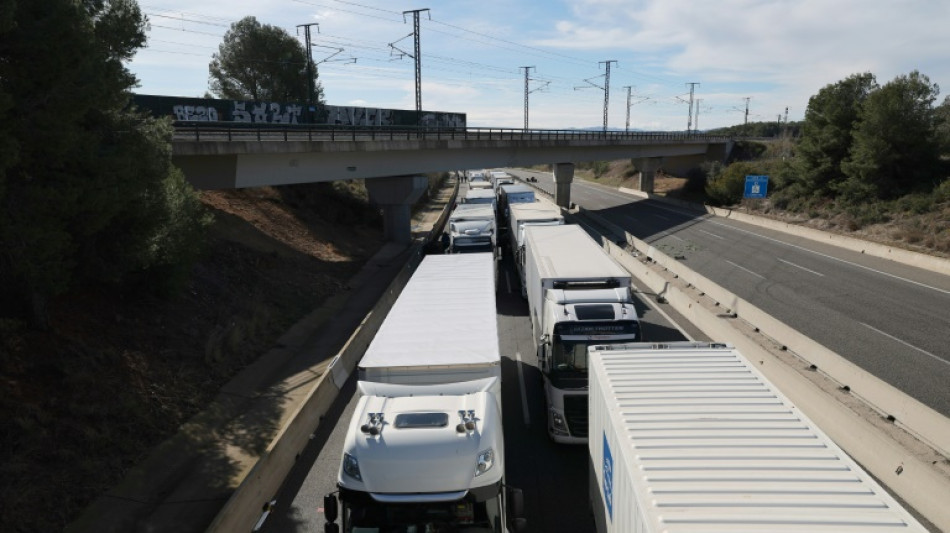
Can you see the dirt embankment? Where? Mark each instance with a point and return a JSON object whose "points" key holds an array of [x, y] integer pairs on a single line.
{"points": [[118, 373]]}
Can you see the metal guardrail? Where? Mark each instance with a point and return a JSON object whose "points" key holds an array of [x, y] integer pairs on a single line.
{"points": [[227, 131]]}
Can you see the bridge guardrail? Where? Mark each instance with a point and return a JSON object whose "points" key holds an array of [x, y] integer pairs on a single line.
{"points": [[240, 131]]}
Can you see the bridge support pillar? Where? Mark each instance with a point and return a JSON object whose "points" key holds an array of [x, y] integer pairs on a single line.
{"points": [[563, 176], [395, 195], [648, 167]]}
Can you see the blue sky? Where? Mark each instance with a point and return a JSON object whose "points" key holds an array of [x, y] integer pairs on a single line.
{"points": [[776, 53]]}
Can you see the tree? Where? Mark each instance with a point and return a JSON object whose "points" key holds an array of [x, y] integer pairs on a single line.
{"points": [[262, 62], [79, 199], [943, 126], [896, 148], [826, 133]]}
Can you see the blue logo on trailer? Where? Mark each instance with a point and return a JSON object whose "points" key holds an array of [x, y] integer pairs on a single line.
{"points": [[756, 186], [608, 479]]}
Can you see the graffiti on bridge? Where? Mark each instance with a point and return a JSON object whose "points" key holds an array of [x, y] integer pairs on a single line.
{"points": [[250, 112]]}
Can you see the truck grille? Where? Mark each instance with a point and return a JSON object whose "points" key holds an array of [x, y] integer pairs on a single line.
{"points": [[575, 414]]}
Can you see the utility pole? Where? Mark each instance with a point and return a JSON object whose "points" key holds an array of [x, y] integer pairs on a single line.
{"points": [[417, 56], [745, 123], [626, 127], [606, 89], [526, 92], [640, 99], [306, 32], [692, 89]]}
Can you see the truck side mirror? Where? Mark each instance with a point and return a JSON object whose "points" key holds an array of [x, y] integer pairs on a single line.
{"points": [[330, 508]]}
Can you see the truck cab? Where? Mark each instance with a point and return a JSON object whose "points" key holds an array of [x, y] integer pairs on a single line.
{"points": [[470, 228], [578, 318], [426, 458]]}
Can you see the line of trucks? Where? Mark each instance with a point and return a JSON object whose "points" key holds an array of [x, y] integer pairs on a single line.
{"points": [[682, 437]]}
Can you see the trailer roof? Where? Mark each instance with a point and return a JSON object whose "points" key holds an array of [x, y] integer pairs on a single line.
{"points": [[534, 211], [480, 193], [444, 316], [568, 252], [711, 445], [473, 211]]}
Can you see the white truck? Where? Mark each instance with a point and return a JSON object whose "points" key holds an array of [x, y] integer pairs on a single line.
{"points": [[479, 196], [478, 180], [470, 228], [540, 213], [688, 437], [499, 178], [425, 450], [577, 296], [509, 195]]}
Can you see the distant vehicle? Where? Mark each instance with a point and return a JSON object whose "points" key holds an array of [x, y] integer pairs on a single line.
{"points": [[499, 178], [577, 296], [688, 437], [480, 196], [424, 450], [513, 194], [470, 228], [478, 180]]}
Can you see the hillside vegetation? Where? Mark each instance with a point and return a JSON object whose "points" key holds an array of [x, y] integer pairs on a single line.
{"points": [[119, 370]]}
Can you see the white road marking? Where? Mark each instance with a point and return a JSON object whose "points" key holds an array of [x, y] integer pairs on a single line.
{"points": [[712, 234], [524, 393], [656, 308], [905, 343], [838, 259], [744, 268], [801, 267]]}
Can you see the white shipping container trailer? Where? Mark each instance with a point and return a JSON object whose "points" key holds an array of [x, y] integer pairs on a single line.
{"points": [[540, 213], [690, 437], [442, 328]]}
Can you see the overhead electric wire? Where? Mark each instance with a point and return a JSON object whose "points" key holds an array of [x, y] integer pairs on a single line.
{"points": [[380, 52]]}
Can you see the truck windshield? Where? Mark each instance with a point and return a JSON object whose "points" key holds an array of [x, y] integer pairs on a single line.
{"points": [[368, 516], [571, 339]]}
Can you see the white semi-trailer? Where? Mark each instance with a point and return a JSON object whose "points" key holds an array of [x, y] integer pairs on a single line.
{"points": [[425, 450], [479, 196], [470, 228], [540, 213], [688, 437], [577, 296], [509, 195]]}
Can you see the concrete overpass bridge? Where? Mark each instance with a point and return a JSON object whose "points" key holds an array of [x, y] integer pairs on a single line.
{"points": [[392, 159]]}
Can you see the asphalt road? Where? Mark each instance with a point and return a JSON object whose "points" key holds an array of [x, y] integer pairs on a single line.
{"points": [[553, 477], [890, 319]]}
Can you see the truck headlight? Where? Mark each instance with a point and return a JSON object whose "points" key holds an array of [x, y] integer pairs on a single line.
{"points": [[558, 425], [351, 467], [484, 461]]}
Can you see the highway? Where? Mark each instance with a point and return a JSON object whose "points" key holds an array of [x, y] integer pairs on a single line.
{"points": [[553, 477], [890, 319]]}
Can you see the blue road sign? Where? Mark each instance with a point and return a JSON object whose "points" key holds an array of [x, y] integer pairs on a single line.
{"points": [[756, 186]]}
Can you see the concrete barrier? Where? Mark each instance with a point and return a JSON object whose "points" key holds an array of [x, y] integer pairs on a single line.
{"points": [[914, 473], [244, 507]]}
